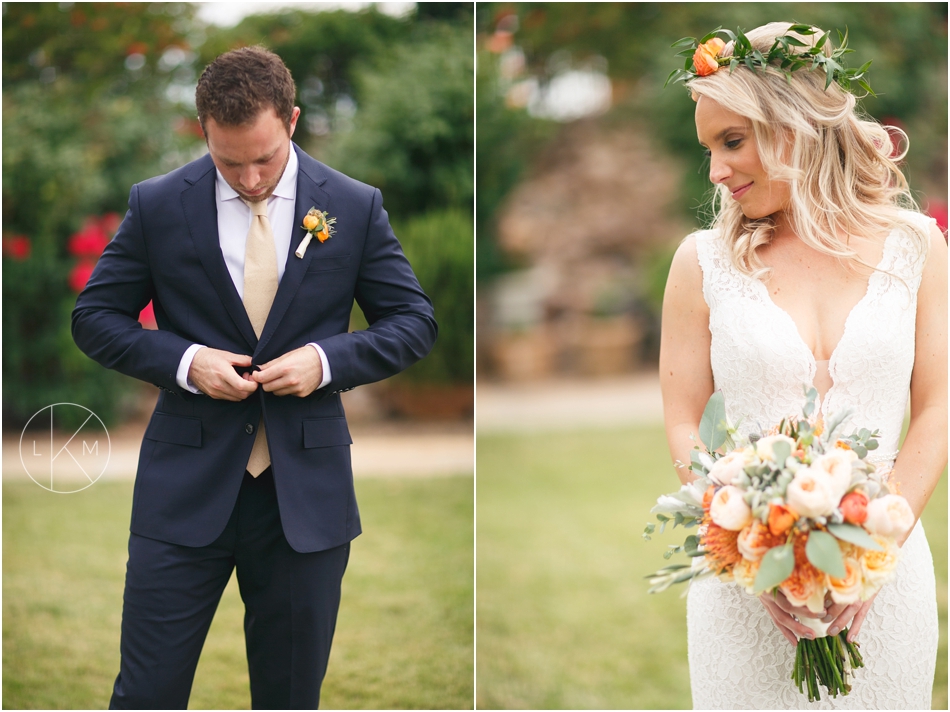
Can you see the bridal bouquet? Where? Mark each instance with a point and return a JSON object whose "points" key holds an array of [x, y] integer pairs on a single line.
{"points": [[797, 510]]}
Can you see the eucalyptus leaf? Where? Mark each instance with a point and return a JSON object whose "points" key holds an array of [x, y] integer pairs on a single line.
{"points": [[712, 426], [781, 450], [823, 552], [776, 566], [854, 535]]}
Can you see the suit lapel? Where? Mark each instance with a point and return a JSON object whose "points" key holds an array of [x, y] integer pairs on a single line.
{"points": [[309, 195], [201, 214]]}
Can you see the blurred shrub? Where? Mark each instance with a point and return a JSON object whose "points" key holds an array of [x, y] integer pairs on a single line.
{"points": [[81, 124], [439, 246], [413, 135]]}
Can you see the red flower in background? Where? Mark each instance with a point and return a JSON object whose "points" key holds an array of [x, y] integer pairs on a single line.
{"points": [[90, 241], [147, 317], [16, 247], [80, 274], [937, 209]]}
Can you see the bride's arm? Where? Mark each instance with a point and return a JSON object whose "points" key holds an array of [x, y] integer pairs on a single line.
{"points": [[685, 373], [924, 455]]}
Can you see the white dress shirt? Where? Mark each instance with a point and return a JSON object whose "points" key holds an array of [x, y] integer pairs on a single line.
{"points": [[234, 221]]}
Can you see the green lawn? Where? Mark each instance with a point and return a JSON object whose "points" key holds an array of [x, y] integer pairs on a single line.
{"points": [[404, 637], [563, 616]]}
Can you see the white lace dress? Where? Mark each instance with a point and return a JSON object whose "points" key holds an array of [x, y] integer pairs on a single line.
{"points": [[737, 657]]}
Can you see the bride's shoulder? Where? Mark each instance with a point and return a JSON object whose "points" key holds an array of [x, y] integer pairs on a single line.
{"points": [[687, 267]]}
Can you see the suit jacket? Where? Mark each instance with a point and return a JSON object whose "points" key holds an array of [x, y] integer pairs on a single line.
{"points": [[195, 448]]}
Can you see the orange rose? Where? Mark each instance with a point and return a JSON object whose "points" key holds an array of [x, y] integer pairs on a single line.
{"points": [[708, 498], [854, 507], [781, 519], [311, 221], [323, 234], [704, 59]]}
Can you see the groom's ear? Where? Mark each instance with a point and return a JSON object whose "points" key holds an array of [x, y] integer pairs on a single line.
{"points": [[293, 120]]}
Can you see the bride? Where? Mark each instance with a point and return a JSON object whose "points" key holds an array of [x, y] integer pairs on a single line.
{"points": [[818, 270]]}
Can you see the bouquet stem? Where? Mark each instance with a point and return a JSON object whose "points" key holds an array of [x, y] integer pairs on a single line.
{"points": [[825, 661]]}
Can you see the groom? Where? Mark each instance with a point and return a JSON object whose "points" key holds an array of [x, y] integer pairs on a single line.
{"points": [[246, 460]]}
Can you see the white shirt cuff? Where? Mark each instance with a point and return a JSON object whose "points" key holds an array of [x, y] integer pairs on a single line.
{"points": [[182, 376], [326, 365]]}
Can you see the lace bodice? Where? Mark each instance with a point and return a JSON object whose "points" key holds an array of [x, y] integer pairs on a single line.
{"points": [[761, 363], [737, 657]]}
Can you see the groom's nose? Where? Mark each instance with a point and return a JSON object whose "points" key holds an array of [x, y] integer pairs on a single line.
{"points": [[250, 177]]}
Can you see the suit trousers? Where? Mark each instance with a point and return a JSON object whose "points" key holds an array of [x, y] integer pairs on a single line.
{"points": [[171, 594]]}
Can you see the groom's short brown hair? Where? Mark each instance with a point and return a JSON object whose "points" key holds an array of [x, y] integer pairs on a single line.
{"points": [[239, 84]]}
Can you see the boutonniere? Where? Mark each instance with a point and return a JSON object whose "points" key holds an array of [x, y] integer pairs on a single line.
{"points": [[317, 225]]}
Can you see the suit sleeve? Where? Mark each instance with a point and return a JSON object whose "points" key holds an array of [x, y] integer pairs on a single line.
{"points": [[402, 327], [105, 322]]}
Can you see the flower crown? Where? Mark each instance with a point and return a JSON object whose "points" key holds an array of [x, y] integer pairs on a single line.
{"points": [[703, 57]]}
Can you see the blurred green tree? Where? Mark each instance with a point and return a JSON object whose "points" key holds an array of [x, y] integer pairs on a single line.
{"points": [[86, 115]]}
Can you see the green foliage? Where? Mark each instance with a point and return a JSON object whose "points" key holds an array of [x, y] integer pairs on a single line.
{"points": [[439, 247], [823, 552], [776, 566], [413, 134], [79, 129], [322, 51]]}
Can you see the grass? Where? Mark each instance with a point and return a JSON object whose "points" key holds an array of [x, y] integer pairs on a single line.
{"points": [[564, 619], [404, 636]]}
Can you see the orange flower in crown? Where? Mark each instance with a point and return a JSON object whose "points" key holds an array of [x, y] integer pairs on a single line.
{"points": [[706, 57]]}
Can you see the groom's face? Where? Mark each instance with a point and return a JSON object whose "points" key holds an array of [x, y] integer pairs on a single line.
{"points": [[252, 157]]}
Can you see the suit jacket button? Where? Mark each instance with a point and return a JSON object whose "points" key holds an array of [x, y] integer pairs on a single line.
{"points": [[248, 428]]}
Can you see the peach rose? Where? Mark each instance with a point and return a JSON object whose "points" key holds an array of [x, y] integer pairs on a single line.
{"points": [[704, 59], [854, 507], [310, 221], [810, 494], [729, 510], [837, 466], [743, 573], [848, 589], [889, 516], [729, 467], [804, 590], [754, 540], [878, 566]]}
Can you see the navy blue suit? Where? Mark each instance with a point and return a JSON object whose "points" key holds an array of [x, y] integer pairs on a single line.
{"points": [[191, 465]]}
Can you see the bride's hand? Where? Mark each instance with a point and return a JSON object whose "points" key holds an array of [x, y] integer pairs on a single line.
{"points": [[839, 615], [782, 611]]}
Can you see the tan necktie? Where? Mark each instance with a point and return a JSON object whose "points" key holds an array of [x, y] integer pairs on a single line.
{"points": [[260, 287]]}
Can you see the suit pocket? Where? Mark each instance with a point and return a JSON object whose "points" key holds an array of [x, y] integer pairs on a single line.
{"points": [[325, 264], [325, 432], [174, 429]]}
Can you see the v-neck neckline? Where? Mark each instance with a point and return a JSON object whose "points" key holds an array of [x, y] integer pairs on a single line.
{"points": [[812, 361]]}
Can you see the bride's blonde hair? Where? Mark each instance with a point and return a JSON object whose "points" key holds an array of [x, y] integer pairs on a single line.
{"points": [[843, 179]]}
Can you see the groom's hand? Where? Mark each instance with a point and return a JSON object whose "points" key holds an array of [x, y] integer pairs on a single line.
{"points": [[296, 373], [212, 371]]}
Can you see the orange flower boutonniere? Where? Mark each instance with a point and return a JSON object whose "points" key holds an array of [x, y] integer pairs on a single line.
{"points": [[317, 225]]}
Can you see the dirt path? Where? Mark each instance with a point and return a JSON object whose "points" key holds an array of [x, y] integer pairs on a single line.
{"points": [[379, 450], [566, 404]]}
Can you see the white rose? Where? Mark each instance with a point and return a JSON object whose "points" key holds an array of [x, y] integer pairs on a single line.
{"points": [[837, 466], [763, 447], [729, 510], [729, 467], [809, 493], [889, 516]]}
